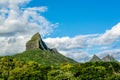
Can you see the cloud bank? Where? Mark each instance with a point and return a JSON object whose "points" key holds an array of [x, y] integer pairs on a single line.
{"points": [[82, 47], [19, 23]]}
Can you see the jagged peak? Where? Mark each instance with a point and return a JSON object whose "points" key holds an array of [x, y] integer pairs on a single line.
{"points": [[109, 58], [95, 58], [36, 42], [36, 36], [95, 55]]}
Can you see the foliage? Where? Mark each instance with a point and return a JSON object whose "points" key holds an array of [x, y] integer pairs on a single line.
{"points": [[43, 57], [12, 69]]}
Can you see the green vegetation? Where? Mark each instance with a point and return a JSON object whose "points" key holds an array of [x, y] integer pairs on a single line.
{"points": [[12, 69], [39, 62], [44, 57]]}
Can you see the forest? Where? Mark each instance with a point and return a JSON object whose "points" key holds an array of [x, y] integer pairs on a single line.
{"points": [[12, 69]]}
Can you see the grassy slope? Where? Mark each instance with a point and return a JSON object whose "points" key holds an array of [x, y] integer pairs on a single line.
{"points": [[43, 57]]}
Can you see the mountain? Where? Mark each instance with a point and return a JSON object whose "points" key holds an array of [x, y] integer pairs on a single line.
{"points": [[95, 59], [109, 58], [36, 42], [37, 50]]}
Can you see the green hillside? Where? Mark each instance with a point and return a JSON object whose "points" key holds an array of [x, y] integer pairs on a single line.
{"points": [[37, 50], [43, 57]]}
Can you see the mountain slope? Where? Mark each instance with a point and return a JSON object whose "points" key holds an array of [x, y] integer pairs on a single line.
{"points": [[37, 50]]}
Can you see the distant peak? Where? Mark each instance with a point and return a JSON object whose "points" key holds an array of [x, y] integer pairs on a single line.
{"points": [[109, 58], [95, 58], [94, 55]]}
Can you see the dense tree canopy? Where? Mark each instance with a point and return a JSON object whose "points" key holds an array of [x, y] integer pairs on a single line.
{"points": [[11, 69]]}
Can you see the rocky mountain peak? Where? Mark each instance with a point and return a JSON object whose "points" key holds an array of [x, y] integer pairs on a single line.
{"points": [[36, 42], [109, 58], [95, 59], [36, 36]]}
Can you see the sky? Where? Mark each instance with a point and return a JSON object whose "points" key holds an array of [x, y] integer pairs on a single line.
{"points": [[77, 28], [82, 16]]}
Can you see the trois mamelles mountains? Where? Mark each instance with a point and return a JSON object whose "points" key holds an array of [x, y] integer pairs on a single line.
{"points": [[108, 58], [37, 50]]}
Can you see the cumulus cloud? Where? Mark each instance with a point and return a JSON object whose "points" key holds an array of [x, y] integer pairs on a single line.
{"points": [[19, 23], [108, 37], [75, 47], [11, 45], [115, 53], [78, 55], [79, 41], [82, 47]]}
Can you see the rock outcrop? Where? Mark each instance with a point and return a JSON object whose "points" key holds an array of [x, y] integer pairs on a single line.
{"points": [[54, 50], [36, 42]]}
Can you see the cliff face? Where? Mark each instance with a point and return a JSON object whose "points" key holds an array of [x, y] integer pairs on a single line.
{"points": [[36, 42]]}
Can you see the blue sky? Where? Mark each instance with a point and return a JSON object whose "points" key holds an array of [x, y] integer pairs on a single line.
{"points": [[81, 16], [77, 28]]}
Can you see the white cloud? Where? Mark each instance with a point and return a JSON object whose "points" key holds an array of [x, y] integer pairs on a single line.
{"points": [[75, 47], [11, 45], [108, 37], [82, 47], [115, 53], [18, 24], [69, 43], [78, 55], [40, 9]]}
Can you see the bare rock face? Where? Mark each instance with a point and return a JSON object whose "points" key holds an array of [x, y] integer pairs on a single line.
{"points": [[54, 50], [36, 42]]}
